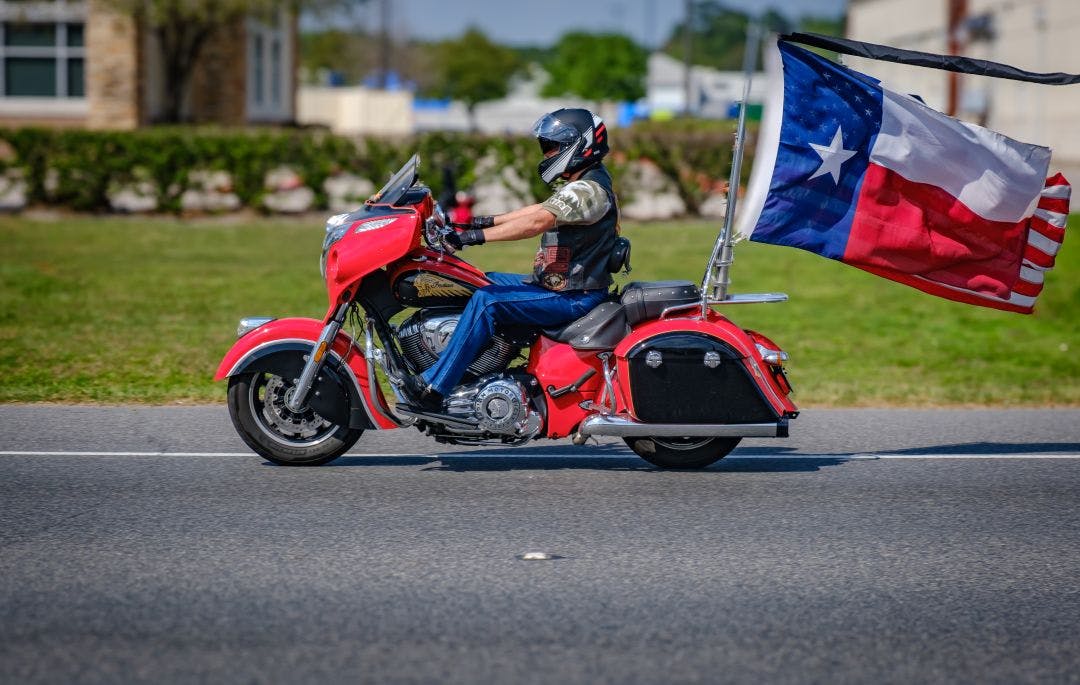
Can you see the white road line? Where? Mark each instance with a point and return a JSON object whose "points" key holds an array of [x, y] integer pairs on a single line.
{"points": [[885, 455], [451, 455], [175, 454]]}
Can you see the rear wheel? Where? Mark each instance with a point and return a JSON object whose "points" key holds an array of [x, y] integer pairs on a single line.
{"points": [[682, 453], [258, 411]]}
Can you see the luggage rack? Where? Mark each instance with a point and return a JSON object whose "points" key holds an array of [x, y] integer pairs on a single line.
{"points": [[739, 298], [751, 298], [714, 286]]}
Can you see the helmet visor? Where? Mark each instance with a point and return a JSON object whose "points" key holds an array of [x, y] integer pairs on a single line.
{"points": [[547, 145], [550, 128]]}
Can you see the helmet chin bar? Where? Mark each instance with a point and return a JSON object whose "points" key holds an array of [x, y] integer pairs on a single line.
{"points": [[553, 167]]}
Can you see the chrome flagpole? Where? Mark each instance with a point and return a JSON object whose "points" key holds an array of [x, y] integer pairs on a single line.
{"points": [[716, 274]]}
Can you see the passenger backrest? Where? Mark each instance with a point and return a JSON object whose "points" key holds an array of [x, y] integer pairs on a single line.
{"points": [[648, 299]]}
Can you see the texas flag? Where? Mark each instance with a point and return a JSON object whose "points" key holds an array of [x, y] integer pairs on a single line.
{"points": [[880, 181]]}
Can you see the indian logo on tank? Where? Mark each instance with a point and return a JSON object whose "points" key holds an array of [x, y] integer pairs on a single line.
{"points": [[431, 285]]}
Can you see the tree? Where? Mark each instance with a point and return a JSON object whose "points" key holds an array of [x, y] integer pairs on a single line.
{"points": [[183, 28], [348, 53], [473, 69], [718, 34], [597, 67]]}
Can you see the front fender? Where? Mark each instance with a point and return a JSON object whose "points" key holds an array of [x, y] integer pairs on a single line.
{"points": [[263, 344]]}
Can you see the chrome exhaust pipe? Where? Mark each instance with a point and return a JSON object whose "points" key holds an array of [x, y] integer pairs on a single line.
{"points": [[621, 425]]}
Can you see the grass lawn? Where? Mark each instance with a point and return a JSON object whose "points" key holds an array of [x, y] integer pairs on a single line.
{"points": [[141, 310]]}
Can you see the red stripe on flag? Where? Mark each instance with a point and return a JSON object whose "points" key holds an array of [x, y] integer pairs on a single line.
{"points": [[1055, 204], [1057, 179], [1049, 230], [919, 230], [1038, 257], [948, 293], [1022, 287]]}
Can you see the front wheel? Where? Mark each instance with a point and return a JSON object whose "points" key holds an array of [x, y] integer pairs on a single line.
{"points": [[258, 411], [682, 453]]}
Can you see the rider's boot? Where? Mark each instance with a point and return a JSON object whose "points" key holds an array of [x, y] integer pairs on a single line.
{"points": [[420, 394]]}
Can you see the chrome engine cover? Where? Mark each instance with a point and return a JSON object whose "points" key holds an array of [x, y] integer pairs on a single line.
{"points": [[500, 406], [425, 335]]}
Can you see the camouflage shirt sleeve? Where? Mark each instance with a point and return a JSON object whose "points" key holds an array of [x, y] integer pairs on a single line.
{"points": [[578, 202]]}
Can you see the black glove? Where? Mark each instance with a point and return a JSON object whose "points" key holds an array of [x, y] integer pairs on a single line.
{"points": [[478, 222], [473, 236]]}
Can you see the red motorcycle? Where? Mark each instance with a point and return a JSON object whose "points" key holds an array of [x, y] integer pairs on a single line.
{"points": [[654, 364]]}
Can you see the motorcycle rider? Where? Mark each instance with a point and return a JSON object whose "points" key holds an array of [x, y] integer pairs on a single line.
{"points": [[578, 228]]}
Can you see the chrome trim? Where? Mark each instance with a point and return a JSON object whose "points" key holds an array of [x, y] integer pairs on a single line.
{"points": [[369, 355], [751, 298], [622, 425], [678, 308], [607, 402], [250, 323], [464, 425]]}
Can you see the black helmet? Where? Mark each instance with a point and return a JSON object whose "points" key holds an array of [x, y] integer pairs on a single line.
{"points": [[580, 137]]}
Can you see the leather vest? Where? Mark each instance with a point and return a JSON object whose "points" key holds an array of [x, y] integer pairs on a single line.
{"points": [[575, 256]]}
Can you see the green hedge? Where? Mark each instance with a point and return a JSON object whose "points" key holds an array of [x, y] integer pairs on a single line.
{"points": [[78, 169]]}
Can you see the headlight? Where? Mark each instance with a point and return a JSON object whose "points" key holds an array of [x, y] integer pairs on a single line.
{"points": [[336, 228]]}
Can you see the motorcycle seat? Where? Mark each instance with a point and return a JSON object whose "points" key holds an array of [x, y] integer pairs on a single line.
{"points": [[601, 329]]}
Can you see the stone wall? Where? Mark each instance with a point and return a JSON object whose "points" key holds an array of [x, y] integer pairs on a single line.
{"points": [[113, 69]]}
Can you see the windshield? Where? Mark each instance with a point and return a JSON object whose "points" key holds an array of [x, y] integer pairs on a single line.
{"points": [[399, 183]]}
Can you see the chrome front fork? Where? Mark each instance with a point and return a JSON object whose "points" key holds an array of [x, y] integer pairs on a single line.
{"points": [[296, 400]]}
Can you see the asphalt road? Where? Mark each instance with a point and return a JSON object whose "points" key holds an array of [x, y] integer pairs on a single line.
{"points": [[142, 545]]}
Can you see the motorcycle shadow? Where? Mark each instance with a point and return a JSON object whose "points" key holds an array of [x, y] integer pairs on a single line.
{"points": [[615, 457], [591, 458]]}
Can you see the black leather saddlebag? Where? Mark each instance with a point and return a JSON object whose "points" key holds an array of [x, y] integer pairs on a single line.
{"points": [[648, 299], [687, 377]]}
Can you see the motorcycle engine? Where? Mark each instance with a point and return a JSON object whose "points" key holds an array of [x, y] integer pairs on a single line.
{"points": [[499, 404], [425, 334]]}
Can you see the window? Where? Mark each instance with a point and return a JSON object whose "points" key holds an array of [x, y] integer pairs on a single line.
{"points": [[275, 72], [42, 59], [269, 77], [258, 79]]}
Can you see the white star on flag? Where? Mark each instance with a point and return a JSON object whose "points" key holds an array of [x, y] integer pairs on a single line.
{"points": [[832, 156]]}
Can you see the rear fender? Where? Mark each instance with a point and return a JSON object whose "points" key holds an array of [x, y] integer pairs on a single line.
{"points": [[262, 350]]}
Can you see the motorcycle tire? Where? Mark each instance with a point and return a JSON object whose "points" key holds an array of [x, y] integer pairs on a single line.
{"points": [[277, 434], [681, 453]]}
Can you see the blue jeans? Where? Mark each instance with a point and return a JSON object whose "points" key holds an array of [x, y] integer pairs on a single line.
{"points": [[509, 300]]}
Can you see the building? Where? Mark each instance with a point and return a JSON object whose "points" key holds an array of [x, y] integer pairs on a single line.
{"points": [[356, 110], [713, 93], [80, 63], [514, 114], [1035, 35]]}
